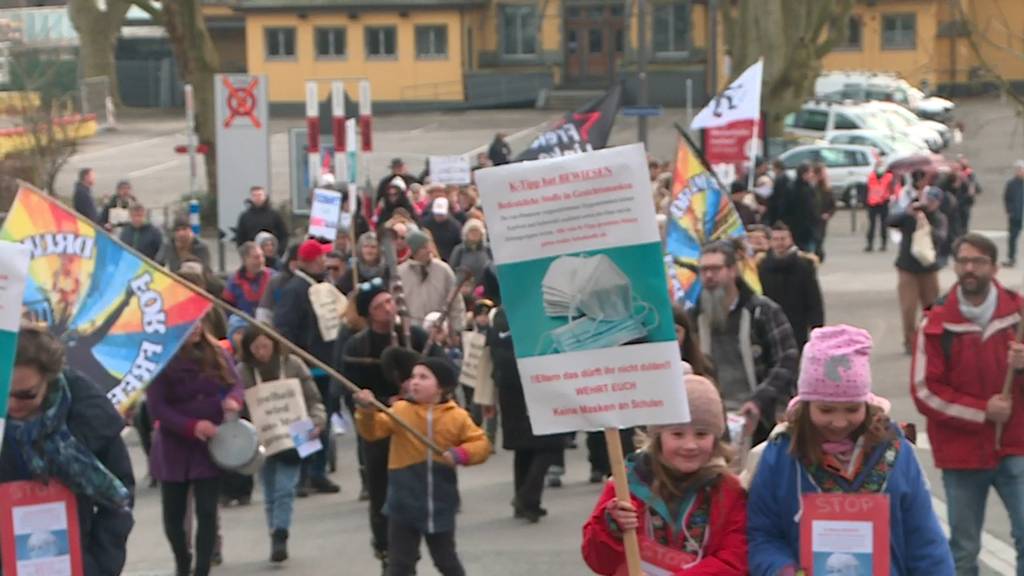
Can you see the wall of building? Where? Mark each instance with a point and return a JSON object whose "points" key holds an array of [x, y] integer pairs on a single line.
{"points": [[999, 30], [916, 64], [404, 78]]}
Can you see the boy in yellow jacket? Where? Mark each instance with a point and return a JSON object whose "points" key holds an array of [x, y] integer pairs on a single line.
{"points": [[423, 493]]}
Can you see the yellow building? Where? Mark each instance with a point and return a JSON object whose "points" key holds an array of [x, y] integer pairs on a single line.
{"points": [[925, 40], [470, 52]]}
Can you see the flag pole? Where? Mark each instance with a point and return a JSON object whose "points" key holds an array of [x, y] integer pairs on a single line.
{"points": [[267, 330]]}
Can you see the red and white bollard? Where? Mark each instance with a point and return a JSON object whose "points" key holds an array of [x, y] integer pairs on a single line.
{"points": [[313, 133], [338, 131], [365, 116]]}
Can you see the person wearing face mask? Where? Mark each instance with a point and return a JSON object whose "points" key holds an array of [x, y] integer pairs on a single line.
{"points": [[918, 281], [881, 187], [839, 439], [428, 283], [688, 510], [295, 319], [748, 338], [61, 427]]}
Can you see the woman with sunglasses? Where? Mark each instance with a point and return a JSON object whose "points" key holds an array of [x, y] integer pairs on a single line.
{"points": [[187, 401], [62, 427]]}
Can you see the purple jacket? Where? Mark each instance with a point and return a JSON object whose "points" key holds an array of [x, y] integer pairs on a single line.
{"points": [[177, 399]]}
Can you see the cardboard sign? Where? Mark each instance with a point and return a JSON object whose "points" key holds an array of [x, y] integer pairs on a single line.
{"points": [[329, 306], [274, 406], [325, 214], [39, 530], [658, 560], [477, 369], [845, 533], [14, 261], [118, 216], [450, 170], [581, 268]]}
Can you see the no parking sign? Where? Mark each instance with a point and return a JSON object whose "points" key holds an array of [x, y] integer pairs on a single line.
{"points": [[243, 142]]}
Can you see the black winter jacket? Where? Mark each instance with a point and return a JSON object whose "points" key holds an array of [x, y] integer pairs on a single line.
{"points": [[255, 219], [792, 282], [95, 423], [147, 239], [1013, 198], [295, 320]]}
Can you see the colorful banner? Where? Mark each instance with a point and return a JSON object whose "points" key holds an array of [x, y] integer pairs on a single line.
{"points": [[580, 265], [14, 260], [120, 318], [581, 131], [700, 212]]}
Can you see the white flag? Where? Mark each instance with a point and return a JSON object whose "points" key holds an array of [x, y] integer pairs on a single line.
{"points": [[741, 100]]}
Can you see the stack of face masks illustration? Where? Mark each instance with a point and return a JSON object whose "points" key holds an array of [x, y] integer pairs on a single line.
{"points": [[597, 299]]}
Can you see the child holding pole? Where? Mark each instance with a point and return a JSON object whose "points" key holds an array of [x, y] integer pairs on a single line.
{"points": [[688, 510], [422, 494], [839, 440]]}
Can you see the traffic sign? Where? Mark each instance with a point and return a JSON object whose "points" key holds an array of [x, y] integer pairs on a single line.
{"points": [[637, 111]]}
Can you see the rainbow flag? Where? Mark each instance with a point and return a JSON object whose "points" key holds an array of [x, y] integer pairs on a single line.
{"points": [[120, 317], [700, 212]]}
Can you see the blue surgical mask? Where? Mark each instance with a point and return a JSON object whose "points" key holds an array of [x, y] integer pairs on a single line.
{"points": [[587, 333], [592, 286]]}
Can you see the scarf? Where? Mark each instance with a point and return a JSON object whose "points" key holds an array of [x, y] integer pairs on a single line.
{"points": [[982, 313], [50, 450]]}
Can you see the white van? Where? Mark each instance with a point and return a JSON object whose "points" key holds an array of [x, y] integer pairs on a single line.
{"points": [[882, 86], [819, 119]]}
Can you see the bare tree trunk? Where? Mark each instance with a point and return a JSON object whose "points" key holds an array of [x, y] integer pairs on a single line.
{"points": [[197, 60], [97, 38], [792, 36]]}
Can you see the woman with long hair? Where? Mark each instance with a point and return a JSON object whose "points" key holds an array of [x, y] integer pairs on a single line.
{"points": [[187, 401]]}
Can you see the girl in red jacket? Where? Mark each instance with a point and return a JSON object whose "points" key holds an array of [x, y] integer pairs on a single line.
{"points": [[689, 512]]}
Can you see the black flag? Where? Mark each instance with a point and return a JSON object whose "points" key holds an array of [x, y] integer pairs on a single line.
{"points": [[581, 131]]}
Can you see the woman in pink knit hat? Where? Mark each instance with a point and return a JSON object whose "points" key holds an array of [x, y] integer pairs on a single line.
{"points": [[839, 439], [688, 510]]}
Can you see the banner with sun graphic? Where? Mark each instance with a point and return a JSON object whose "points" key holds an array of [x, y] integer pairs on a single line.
{"points": [[120, 318]]}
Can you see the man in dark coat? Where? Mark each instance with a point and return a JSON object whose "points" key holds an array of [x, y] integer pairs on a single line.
{"points": [[789, 277], [398, 170], [295, 320], [1013, 201], [82, 200], [446, 232], [781, 188], [261, 216], [140, 234], [499, 151], [800, 212]]}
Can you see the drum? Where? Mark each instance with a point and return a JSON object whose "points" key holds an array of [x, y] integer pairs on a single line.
{"points": [[236, 446]]}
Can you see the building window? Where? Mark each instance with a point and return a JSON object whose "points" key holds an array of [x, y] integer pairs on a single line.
{"points": [[431, 42], [330, 42], [899, 31], [280, 42], [671, 27], [849, 37], [381, 42], [519, 30]]}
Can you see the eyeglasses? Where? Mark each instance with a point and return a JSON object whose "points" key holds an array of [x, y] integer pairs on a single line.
{"points": [[371, 284], [711, 268], [973, 261]]}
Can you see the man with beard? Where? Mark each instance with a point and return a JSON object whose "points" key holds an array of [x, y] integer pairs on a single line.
{"points": [[748, 339], [964, 350], [790, 278]]}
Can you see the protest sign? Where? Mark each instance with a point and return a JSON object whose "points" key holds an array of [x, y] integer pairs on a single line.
{"points": [[582, 130], [450, 170], [476, 360], [844, 533], [303, 439], [39, 533], [120, 317], [14, 260], [580, 263], [325, 214], [274, 406]]}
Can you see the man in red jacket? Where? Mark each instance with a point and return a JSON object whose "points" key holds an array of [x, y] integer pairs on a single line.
{"points": [[963, 350], [881, 185]]}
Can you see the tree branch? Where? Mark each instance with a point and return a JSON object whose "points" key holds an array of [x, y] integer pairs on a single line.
{"points": [[972, 43], [147, 6]]}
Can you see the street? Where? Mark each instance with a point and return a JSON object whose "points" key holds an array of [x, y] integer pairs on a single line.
{"points": [[330, 533]]}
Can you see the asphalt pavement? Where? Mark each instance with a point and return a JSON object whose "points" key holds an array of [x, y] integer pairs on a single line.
{"points": [[330, 533]]}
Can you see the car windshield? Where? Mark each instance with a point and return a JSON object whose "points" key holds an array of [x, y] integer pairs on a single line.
{"points": [[875, 121]]}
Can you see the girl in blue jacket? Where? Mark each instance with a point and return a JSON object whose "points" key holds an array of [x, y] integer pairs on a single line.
{"points": [[838, 439]]}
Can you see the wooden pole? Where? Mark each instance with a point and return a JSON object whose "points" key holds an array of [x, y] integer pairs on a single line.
{"points": [[292, 348], [1008, 385], [618, 465]]}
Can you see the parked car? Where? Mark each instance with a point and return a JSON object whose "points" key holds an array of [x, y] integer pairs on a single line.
{"points": [[847, 166], [818, 119], [905, 119], [893, 145], [847, 85]]}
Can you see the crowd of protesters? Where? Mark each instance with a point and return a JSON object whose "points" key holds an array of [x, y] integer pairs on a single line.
{"points": [[417, 272]]}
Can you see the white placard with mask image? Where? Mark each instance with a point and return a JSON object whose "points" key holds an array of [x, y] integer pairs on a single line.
{"points": [[583, 286]]}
